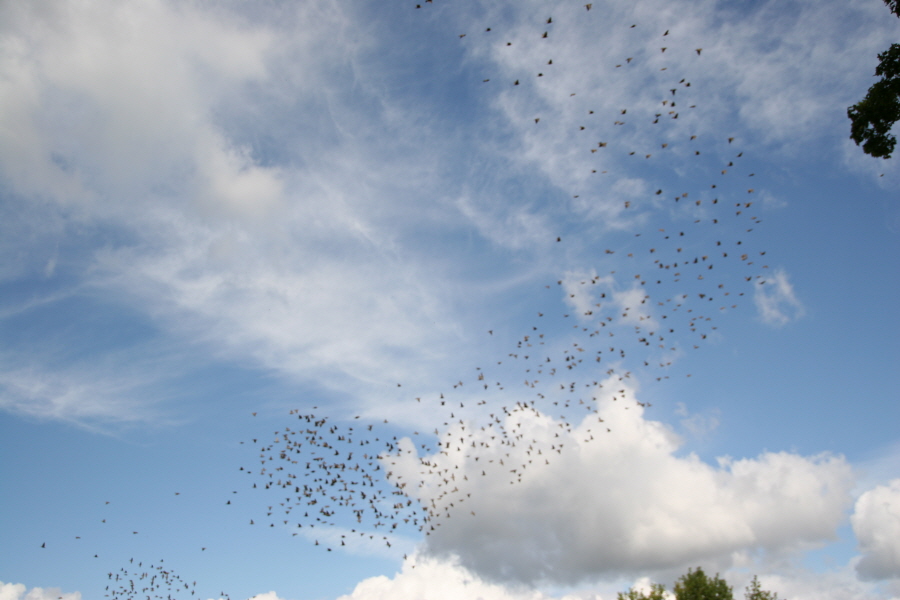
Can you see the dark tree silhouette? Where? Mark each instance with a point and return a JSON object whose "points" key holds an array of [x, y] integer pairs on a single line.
{"points": [[872, 118]]}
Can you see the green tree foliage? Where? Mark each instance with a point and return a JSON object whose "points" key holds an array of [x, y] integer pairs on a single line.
{"points": [[754, 592], [697, 585], [871, 118]]}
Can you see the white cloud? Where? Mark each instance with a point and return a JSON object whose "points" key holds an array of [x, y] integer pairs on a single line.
{"points": [[437, 579], [17, 591], [876, 523], [571, 501], [775, 300]]}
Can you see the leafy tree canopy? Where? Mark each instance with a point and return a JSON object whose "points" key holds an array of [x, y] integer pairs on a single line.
{"points": [[871, 118], [697, 585]]}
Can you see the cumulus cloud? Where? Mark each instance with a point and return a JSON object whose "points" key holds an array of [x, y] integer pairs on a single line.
{"points": [[775, 300], [570, 501], [17, 591], [876, 523], [839, 583], [437, 579]]}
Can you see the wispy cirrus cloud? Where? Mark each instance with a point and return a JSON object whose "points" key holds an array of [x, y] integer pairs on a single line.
{"points": [[300, 252]]}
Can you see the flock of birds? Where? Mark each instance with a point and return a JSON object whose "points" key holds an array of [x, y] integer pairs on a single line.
{"points": [[338, 482], [153, 582], [333, 473]]}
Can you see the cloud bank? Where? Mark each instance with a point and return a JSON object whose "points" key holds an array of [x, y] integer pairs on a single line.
{"points": [[876, 523], [568, 502]]}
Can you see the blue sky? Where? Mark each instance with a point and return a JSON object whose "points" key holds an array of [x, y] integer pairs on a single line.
{"points": [[217, 218]]}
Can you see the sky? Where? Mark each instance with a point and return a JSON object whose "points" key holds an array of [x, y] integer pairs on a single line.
{"points": [[532, 300]]}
